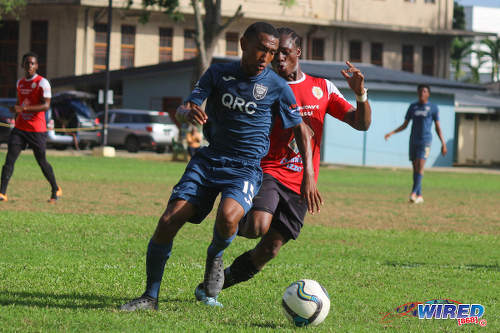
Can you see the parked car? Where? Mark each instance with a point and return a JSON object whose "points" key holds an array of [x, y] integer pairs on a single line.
{"points": [[72, 109], [6, 118], [136, 129]]}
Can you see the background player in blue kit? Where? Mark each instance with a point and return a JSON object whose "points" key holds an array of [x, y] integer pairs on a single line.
{"points": [[423, 113], [242, 99]]}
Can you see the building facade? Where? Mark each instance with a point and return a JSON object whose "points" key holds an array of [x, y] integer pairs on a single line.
{"points": [[70, 35]]}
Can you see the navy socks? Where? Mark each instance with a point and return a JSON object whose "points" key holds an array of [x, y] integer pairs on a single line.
{"points": [[218, 244], [417, 183], [156, 258]]}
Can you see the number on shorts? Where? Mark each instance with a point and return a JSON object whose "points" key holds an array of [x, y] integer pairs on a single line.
{"points": [[247, 186]]}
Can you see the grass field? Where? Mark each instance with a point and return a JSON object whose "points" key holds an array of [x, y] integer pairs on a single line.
{"points": [[67, 267]]}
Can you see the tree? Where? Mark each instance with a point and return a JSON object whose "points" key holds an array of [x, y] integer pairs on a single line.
{"points": [[460, 48], [11, 7], [493, 53], [458, 16], [209, 27], [474, 70]]}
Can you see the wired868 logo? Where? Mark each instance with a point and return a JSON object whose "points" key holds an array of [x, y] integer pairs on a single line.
{"points": [[440, 309]]}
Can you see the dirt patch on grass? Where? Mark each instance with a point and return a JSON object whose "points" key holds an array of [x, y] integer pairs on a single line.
{"points": [[441, 212]]}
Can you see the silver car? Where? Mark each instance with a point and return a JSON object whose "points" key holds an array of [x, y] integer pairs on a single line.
{"points": [[136, 129]]}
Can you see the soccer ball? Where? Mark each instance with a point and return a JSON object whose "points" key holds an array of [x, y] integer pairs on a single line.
{"points": [[306, 302]]}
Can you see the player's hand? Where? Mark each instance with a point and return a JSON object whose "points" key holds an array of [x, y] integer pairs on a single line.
{"points": [[196, 115], [387, 136], [444, 150], [18, 108], [356, 81], [309, 193]]}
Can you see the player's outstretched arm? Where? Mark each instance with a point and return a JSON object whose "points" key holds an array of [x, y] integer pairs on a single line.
{"points": [[308, 189], [191, 113], [359, 118], [399, 129], [444, 150]]}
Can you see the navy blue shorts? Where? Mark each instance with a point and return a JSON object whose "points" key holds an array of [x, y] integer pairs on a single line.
{"points": [[419, 151], [209, 174]]}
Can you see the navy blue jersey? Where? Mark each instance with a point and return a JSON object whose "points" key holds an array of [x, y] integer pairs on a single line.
{"points": [[422, 116], [241, 109]]}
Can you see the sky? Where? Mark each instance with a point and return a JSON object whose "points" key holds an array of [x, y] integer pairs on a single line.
{"points": [[481, 3]]}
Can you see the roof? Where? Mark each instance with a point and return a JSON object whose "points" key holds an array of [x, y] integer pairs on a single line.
{"points": [[381, 78], [477, 102]]}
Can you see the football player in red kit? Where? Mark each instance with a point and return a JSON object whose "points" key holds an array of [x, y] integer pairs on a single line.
{"points": [[278, 209], [33, 100]]}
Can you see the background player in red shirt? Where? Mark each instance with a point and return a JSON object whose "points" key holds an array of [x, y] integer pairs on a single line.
{"points": [[33, 100], [278, 209]]}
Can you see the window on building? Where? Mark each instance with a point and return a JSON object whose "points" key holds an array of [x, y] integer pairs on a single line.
{"points": [[355, 51], [166, 37], [9, 37], [100, 44], [377, 51], [232, 43], [430, 1], [407, 58], [318, 49], [128, 46], [428, 60], [39, 37], [190, 50]]}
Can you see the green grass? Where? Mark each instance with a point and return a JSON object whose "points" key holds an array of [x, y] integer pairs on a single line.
{"points": [[64, 269]]}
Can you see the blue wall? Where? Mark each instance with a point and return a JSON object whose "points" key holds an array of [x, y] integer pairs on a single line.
{"points": [[138, 91], [343, 144]]}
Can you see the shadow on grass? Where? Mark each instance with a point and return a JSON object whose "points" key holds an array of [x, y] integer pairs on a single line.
{"points": [[68, 301], [494, 267], [64, 301]]}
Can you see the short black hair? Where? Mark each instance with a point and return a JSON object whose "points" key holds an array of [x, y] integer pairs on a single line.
{"points": [[290, 32], [422, 86], [30, 54], [260, 27]]}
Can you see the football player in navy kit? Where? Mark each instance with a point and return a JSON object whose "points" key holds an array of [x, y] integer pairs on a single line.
{"points": [[422, 113], [242, 97]]}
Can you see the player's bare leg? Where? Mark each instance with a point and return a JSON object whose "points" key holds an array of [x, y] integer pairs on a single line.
{"points": [[159, 249], [255, 225]]}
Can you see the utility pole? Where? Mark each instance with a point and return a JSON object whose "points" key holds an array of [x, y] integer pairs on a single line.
{"points": [[106, 90]]}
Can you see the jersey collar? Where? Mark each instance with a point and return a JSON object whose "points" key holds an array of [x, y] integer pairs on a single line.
{"points": [[299, 80], [32, 78]]}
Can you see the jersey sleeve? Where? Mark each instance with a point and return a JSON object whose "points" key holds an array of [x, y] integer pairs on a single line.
{"points": [[45, 85], [338, 106], [408, 112], [289, 110], [203, 87], [435, 113]]}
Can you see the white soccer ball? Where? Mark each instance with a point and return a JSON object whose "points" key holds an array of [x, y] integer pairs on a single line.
{"points": [[306, 302]]}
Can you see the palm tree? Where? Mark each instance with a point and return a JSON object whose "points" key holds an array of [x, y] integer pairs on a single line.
{"points": [[460, 48], [493, 53], [474, 70]]}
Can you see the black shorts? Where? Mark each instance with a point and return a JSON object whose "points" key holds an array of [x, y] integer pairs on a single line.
{"points": [[286, 206], [35, 140]]}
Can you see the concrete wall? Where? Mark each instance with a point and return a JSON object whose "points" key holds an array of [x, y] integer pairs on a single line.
{"points": [[478, 140], [343, 144]]}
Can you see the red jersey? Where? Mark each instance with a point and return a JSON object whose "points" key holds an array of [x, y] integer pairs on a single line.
{"points": [[315, 97], [32, 92]]}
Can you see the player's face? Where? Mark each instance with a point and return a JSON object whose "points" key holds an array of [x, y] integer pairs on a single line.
{"points": [[423, 95], [286, 61], [258, 52], [30, 66]]}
